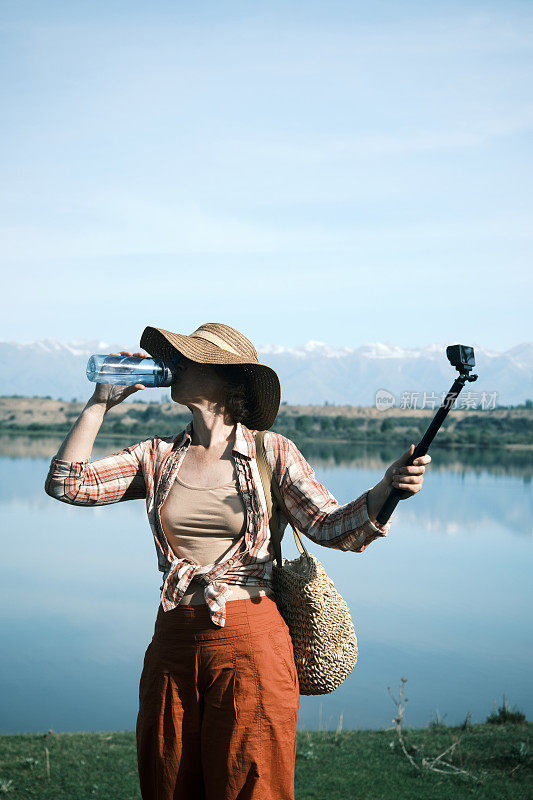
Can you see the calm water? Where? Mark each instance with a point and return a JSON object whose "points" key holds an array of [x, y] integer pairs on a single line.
{"points": [[444, 600]]}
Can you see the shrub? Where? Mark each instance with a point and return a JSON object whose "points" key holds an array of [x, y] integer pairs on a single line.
{"points": [[355, 422], [506, 715], [304, 423], [387, 425]]}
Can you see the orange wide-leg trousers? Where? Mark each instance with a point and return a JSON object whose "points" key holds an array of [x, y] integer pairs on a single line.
{"points": [[218, 706]]}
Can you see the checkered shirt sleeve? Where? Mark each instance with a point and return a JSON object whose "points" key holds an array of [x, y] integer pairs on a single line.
{"points": [[112, 479], [313, 509]]}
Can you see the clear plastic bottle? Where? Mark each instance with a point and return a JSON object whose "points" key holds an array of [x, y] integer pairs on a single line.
{"points": [[129, 370]]}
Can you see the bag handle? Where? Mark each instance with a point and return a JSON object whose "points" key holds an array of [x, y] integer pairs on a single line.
{"points": [[270, 486]]}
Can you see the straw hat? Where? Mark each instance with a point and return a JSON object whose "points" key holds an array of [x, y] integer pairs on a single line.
{"points": [[214, 343]]}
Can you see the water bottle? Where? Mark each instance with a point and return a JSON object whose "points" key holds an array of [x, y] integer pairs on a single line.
{"points": [[129, 370]]}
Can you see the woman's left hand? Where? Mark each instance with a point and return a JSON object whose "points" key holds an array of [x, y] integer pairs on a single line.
{"points": [[407, 478]]}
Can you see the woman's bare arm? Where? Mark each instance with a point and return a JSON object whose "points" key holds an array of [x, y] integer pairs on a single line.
{"points": [[79, 442]]}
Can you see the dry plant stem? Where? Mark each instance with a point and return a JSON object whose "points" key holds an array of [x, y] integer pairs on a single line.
{"points": [[433, 761], [398, 723], [468, 717], [339, 728], [47, 760], [427, 763], [450, 768]]}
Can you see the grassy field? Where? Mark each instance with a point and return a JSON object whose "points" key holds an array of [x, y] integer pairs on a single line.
{"points": [[365, 764]]}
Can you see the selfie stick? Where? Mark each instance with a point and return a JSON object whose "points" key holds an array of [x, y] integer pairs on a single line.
{"points": [[462, 358]]}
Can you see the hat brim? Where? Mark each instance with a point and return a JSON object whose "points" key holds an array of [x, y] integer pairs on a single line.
{"points": [[263, 382]]}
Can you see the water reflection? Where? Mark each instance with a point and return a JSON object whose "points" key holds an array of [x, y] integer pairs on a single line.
{"points": [[445, 599], [517, 460], [443, 505]]}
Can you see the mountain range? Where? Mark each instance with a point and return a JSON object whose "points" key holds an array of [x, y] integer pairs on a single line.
{"points": [[314, 373]]}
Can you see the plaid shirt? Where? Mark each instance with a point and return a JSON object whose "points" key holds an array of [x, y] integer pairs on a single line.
{"points": [[147, 470]]}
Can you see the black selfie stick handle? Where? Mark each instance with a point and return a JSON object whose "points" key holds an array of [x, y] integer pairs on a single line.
{"points": [[422, 447]]}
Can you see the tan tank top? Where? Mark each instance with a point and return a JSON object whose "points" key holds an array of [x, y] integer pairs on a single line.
{"points": [[202, 523]]}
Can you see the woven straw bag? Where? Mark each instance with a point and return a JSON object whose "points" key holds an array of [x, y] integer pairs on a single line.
{"points": [[318, 618]]}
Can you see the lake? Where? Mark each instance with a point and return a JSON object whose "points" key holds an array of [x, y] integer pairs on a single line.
{"points": [[444, 600]]}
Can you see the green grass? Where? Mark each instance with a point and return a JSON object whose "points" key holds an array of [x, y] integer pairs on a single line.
{"points": [[367, 765]]}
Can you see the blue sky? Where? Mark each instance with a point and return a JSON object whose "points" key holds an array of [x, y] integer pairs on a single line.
{"points": [[345, 172]]}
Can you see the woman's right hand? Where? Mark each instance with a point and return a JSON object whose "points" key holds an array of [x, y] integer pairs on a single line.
{"points": [[111, 394]]}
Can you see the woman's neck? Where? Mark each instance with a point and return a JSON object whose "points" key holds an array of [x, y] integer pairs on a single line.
{"points": [[209, 429]]}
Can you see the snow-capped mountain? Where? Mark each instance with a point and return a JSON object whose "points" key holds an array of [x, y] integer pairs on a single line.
{"points": [[313, 373]]}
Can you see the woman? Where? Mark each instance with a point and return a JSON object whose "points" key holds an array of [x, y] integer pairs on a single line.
{"points": [[219, 693]]}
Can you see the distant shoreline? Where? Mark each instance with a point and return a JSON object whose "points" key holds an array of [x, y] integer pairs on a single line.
{"points": [[315, 425], [305, 440]]}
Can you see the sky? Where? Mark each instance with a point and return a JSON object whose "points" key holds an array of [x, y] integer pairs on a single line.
{"points": [[342, 172]]}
